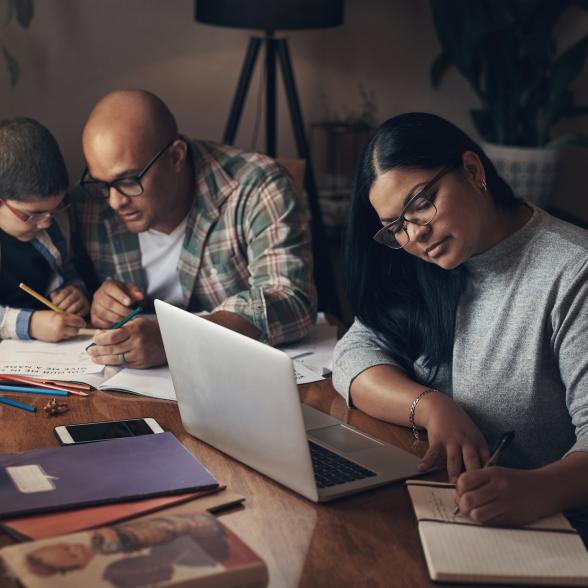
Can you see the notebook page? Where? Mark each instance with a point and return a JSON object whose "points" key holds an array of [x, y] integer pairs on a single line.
{"points": [[152, 382], [66, 360], [435, 501], [489, 554], [457, 549]]}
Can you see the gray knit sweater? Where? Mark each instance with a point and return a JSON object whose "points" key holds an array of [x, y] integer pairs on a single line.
{"points": [[520, 358]]}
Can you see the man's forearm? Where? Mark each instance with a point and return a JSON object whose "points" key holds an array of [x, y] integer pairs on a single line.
{"points": [[235, 322]]}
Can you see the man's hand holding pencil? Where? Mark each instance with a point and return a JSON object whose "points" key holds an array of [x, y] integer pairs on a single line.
{"points": [[127, 340]]}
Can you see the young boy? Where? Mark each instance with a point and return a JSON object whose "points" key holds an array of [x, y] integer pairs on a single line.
{"points": [[34, 249]]}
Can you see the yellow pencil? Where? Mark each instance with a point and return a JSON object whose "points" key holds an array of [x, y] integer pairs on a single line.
{"points": [[40, 298], [90, 332]]}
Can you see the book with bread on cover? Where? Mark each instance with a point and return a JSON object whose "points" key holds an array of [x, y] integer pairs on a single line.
{"points": [[182, 550], [457, 549]]}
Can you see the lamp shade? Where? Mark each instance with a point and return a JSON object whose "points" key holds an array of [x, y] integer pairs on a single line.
{"points": [[270, 14]]}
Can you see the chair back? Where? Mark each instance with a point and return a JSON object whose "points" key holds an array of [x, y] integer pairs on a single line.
{"points": [[295, 169]]}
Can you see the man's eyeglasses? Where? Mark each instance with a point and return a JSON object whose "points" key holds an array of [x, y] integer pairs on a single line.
{"points": [[35, 218], [128, 186], [419, 210]]}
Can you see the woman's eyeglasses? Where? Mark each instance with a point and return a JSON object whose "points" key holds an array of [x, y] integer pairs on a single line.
{"points": [[128, 186], [35, 218], [419, 210]]}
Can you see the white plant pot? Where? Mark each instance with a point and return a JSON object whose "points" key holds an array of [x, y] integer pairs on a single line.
{"points": [[530, 171]]}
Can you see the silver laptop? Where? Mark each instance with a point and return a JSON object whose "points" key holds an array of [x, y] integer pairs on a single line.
{"points": [[241, 397]]}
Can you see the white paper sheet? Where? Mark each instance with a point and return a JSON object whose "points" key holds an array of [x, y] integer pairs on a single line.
{"points": [[66, 360], [315, 351]]}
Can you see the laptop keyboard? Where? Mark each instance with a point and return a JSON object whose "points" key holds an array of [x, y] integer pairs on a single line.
{"points": [[330, 469]]}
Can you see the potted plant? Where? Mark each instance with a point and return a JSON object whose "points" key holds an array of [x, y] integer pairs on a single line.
{"points": [[22, 11], [507, 52]]}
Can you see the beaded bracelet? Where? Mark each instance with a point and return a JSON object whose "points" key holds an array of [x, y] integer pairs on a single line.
{"points": [[415, 430]]}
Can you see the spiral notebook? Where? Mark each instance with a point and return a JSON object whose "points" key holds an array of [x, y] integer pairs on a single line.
{"points": [[457, 549]]}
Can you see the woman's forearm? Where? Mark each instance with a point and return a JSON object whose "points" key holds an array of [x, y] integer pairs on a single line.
{"points": [[386, 392], [565, 482]]}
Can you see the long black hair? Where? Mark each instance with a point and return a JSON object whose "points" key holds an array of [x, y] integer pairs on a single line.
{"points": [[409, 303]]}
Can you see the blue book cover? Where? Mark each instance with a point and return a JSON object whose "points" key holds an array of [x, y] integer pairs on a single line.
{"points": [[59, 478]]}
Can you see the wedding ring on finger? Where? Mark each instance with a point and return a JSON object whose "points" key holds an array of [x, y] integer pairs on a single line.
{"points": [[121, 356]]}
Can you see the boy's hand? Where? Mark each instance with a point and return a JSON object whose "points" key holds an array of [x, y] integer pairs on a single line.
{"points": [[71, 299], [112, 302], [47, 325]]}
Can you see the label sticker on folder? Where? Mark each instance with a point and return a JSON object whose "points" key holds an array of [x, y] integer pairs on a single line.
{"points": [[30, 479]]}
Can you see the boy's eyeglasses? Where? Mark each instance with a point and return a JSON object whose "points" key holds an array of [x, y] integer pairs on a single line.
{"points": [[128, 186], [419, 210], [35, 218]]}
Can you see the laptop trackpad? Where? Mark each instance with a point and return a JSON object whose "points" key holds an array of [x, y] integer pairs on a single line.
{"points": [[343, 439]]}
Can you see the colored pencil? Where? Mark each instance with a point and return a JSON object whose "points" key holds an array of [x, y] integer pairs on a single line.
{"points": [[26, 390], [123, 321], [45, 384], [67, 384], [127, 318], [90, 332], [40, 298], [17, 404]]}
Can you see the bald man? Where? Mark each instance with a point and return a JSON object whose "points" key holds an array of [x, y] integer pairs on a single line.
{"points": [[200, 225]]}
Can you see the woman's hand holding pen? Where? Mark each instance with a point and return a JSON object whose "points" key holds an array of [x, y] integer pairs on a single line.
{"points": [[112, 302], [502, 496], [137, 344], [454, 440]]}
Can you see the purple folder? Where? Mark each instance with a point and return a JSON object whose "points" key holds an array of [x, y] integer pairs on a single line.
{"points": [[59, 478]]}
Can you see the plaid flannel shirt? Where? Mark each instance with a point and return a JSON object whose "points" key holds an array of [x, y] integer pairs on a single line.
{"points": [[54, 245], [246, 248]]}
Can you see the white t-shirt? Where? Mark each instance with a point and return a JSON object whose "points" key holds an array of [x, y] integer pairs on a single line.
{"points": [[160, 254]]}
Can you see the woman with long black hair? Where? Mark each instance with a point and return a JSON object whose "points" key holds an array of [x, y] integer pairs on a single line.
{"points": [[471, 314]]}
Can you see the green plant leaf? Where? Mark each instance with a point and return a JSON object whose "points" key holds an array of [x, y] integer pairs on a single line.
{"points": [[581, 3], [12, 66], [483, 122], [539, 17], [441, 64], [568, 65], [577, 111], [462, 27], [24, 10], [569, 140]]}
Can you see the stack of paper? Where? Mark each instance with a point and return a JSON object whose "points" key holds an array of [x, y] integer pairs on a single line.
{"points": [[313, 356], [68, 361]]}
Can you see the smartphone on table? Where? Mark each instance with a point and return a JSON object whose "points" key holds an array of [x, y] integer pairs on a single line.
{"points": [[100, 431]]}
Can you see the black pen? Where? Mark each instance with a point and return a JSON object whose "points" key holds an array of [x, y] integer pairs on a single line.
{"points": [[504, 441]]}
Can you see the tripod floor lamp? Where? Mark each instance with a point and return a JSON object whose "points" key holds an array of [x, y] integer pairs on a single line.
{"points": [[272, 15]]}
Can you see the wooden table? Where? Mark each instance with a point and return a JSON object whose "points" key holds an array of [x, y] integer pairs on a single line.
{"points": [[367, 540]]}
